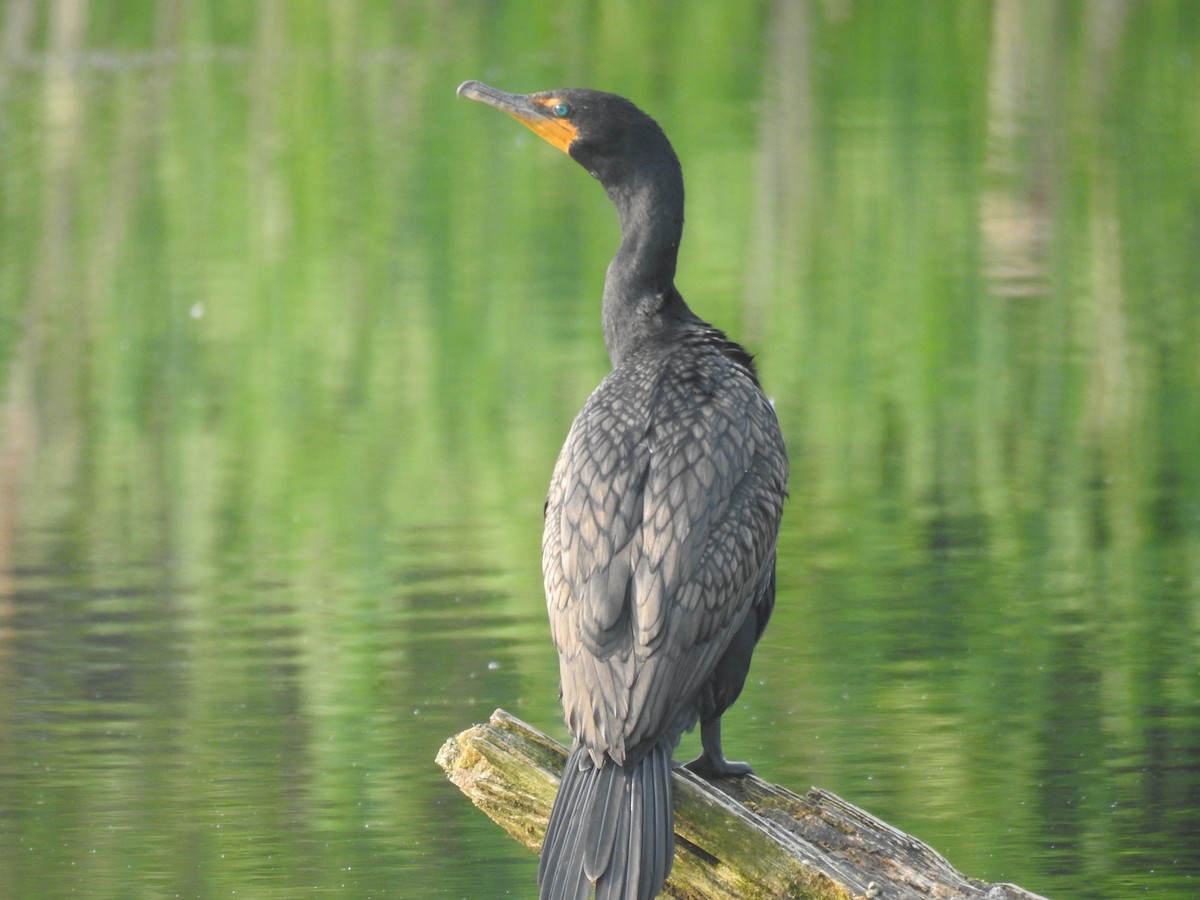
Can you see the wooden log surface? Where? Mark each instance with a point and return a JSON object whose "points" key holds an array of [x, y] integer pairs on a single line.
{"points": [[736, 837]]}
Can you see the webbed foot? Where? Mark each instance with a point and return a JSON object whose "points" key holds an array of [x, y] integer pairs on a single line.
{"points": [[708, 768]]}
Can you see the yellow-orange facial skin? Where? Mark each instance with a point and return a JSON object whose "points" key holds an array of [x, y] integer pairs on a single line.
{"points": [[551, 129]]}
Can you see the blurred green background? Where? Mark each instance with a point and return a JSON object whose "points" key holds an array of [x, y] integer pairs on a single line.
{"points": [[289, 339]]}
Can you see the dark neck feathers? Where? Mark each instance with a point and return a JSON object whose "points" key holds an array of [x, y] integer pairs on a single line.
{"points": [[640, 299]]}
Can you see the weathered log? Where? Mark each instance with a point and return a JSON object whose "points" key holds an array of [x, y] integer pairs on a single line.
{"points": [[737, 837]]}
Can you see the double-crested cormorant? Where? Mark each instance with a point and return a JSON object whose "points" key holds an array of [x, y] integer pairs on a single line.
{"points": [[661, 521]]}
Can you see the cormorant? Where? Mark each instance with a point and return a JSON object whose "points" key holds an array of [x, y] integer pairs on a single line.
{"points": [[661, 521]]}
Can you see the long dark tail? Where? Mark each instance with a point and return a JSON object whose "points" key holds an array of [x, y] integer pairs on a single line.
{"points": [[612, 827]]}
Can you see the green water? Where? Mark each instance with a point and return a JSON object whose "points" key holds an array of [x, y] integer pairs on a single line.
{"points": [[289, 339]]}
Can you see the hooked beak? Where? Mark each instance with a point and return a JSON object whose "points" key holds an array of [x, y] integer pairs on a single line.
{"points": [[531, 110]]}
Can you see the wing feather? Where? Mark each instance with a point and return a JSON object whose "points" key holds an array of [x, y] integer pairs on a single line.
{"points": [[661, 519]]}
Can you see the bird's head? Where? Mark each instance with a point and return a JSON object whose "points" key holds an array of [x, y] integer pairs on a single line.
{"points": [[605, 133]]}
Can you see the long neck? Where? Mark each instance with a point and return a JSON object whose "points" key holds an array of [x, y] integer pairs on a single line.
{"points": [[640, 300]]}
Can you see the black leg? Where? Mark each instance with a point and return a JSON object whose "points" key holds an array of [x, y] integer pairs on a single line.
{"points": [[712, 762]]}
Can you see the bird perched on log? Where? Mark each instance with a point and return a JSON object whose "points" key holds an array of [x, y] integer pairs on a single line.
{"points": [[658, 553]]}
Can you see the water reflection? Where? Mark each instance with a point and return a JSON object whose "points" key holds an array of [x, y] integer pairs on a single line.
{"points": [[211, 739]]}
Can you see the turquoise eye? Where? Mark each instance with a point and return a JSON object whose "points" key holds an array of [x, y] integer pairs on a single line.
{"points": [[562, 110]]}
